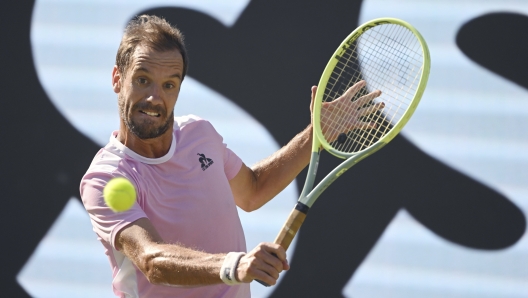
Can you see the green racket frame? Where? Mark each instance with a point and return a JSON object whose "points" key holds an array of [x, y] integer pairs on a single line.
{"points": [[308, 195], [352, 158]]}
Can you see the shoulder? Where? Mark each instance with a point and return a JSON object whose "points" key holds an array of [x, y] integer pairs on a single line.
{"points": [[182, 121], [193, 123], [108, 163], [197, 132], [107, 160]]}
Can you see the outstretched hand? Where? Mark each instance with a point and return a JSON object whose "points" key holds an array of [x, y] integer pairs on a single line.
{"points": [[265, 262], [343, 114]]}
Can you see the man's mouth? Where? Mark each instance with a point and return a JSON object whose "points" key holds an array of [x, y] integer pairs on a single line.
{"points": [[153, 114]]}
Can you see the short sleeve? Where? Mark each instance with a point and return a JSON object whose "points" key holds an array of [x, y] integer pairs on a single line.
{"points": [[232, 163], [106, 223]]}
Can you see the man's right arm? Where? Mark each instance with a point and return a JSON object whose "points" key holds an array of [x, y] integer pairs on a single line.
{"points": [[174, 264]]}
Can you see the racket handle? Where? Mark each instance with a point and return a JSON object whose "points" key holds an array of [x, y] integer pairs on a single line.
{"points": [[289, 229], [292, 225]]}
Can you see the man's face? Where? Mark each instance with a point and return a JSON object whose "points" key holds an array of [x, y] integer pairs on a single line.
{"points": [[148, 92]]}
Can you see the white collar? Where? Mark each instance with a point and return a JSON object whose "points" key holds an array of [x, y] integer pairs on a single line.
{"points": [[153, 161]]}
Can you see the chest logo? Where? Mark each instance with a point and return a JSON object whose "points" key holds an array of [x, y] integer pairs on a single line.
{"points": [[204, 161]]}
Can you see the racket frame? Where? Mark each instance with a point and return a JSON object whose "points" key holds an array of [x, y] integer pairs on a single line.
{"points": [[309, 194], [308, 197]]}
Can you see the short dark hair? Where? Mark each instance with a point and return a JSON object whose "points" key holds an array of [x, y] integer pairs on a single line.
{"points": [[153, 32]]}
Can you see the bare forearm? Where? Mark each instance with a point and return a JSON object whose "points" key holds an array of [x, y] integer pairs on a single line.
{"points": [[176, 265], [274, 173], [168, 264]]}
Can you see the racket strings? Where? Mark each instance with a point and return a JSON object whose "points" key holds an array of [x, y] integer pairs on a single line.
{"points": [[341, 75], [354, 55], [389, 58], [367, 138]]}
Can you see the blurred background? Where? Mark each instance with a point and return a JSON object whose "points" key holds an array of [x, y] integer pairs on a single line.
{"points": [[470, 118]]}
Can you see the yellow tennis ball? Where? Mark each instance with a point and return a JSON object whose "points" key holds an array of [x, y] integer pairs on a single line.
{"points": [[119, 194]]}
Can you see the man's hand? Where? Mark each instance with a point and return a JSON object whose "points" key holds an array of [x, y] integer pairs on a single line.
{"points": [[265, 262], [347, 113]]}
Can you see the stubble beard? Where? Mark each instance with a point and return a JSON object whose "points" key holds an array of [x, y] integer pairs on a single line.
{"points": [[146, 129]]}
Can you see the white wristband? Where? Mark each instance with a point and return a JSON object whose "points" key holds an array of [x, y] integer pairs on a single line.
{"points": [[228, 270]]}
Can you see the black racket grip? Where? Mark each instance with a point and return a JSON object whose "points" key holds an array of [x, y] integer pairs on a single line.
{"points": [[260, 281]]}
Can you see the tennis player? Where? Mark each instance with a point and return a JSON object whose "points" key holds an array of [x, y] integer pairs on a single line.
{"points": [[183, 236]]}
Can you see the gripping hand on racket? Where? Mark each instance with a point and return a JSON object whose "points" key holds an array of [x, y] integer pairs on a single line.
{"points": [[265, 262]]}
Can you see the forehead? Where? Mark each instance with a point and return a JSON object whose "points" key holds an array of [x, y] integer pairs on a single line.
{"points": [[147, 58]]}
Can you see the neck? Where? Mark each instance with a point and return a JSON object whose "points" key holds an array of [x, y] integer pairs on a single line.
{"points": [[150, 148]]}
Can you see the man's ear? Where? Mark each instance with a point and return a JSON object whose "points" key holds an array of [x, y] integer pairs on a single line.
{"points": [[116, 79]]}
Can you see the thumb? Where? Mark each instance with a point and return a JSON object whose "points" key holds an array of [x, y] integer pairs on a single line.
{"points": [[314, 90]]}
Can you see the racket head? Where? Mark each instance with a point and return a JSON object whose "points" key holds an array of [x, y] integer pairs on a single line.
{"points": [[391, 56]]}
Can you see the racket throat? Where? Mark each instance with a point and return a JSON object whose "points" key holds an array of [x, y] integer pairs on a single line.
{"points": [[310, 176]]}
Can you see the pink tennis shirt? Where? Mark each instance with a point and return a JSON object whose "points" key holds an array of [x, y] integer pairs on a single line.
{"points": [[185, 194]]}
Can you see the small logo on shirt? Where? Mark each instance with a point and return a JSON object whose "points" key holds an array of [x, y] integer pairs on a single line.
{"points": [[204, 161]]}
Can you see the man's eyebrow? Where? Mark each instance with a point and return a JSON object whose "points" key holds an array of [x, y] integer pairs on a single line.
{"points": [[176, 75], [143, 69]]}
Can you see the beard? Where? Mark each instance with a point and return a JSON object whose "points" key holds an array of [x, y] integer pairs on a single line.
{"points": [[145, 129]]}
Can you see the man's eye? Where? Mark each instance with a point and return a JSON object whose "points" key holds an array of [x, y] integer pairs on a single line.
{"points": [[142, 81], [169, 86]]}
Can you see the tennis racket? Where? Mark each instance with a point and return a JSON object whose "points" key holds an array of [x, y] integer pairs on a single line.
{"points": [[351, 120]]}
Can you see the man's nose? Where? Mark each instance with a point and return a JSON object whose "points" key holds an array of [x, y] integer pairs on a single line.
{"points": [[155, 94]]}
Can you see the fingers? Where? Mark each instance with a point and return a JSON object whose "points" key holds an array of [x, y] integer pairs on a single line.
{"points": [[361, 111], [314, 90], [343, 114], [349, 94], [354, 107], [368, 110], [265, 262], [371, 109], [367, 98]]}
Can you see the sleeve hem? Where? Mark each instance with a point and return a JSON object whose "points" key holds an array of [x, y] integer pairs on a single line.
{"points": [[123, 224]]}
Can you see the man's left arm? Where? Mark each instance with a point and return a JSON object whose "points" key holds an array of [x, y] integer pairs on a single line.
{"points": [[253, 187]]}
